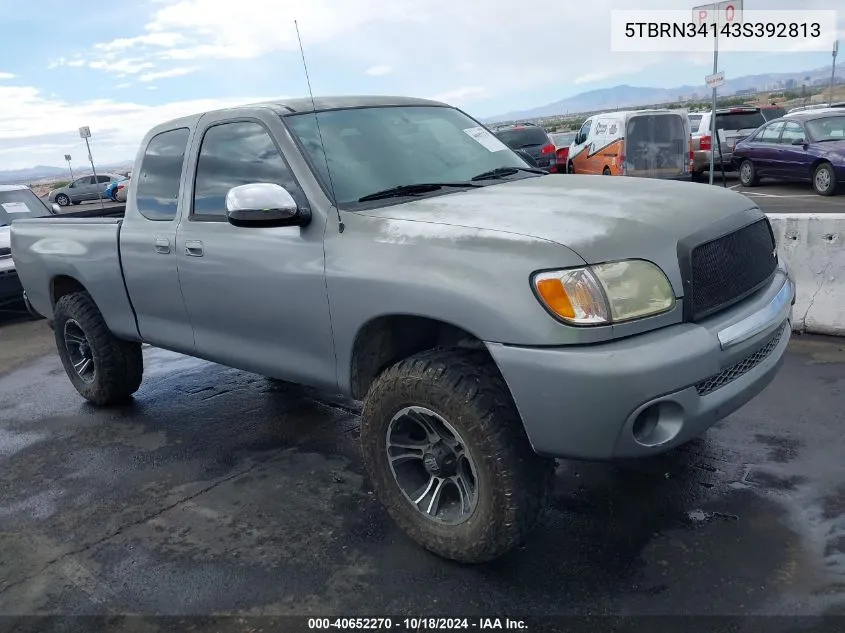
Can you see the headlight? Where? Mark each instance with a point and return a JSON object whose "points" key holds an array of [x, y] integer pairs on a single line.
{"points": [[605, 293]]}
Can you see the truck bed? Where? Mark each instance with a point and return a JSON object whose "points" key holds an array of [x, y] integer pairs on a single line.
{"points": [[56, 251]]}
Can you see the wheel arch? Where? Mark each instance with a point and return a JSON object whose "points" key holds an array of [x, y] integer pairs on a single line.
{"points": [[389, 338]]}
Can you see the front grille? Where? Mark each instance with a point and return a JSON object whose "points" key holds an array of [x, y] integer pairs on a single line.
{"points": [[5, 251], [727, 269], [742, 367]]}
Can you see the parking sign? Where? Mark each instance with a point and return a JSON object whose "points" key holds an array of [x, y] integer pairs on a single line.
{"points": [[728, 12], [84, 132]]}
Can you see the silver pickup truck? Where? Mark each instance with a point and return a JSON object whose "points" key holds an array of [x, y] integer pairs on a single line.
{"points": [[490, 316]]}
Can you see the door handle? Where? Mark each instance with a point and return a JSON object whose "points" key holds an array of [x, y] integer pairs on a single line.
{"points": [[193, 248], [162, 245]]}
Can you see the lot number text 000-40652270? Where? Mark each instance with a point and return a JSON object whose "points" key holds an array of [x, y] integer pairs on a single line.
{"points": [[746, 31]]}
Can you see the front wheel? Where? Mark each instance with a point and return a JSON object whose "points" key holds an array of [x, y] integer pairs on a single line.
{"points": [[103, 368], [605, 171], [748, 174], [824, 180], [570, 168], [448, 457], [62, 200]]}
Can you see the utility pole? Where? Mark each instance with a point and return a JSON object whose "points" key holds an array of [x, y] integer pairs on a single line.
{"points": [[85, 133], [67, 158], [833, 70]]}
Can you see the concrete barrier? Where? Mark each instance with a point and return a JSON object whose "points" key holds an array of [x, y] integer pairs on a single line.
{"points": [[813, 246]]}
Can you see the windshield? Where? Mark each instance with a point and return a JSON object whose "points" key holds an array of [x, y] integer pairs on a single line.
{"points": [[372, 149], [520, 137], [564, 139], [20, 203], [739, 120], [830, 128]]}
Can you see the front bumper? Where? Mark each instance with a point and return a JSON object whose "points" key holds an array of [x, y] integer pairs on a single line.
{"points": [[701, 160], [646, 394]]}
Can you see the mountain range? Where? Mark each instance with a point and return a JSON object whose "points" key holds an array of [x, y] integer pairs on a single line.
{"points": [[627, 96], [30, 175]]}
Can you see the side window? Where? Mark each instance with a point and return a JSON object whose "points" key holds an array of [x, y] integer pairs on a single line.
{"points": [[792, 132], [235, 154], [158, 178], [771, 133], [585, 131], [103, 179]]}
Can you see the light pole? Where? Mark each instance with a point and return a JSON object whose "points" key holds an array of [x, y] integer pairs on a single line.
{"points": [[85, 133], [833, 69], [67, 158]]}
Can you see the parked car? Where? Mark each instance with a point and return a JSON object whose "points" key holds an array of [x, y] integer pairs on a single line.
{"points": [[490, 316], [735, 124], [531, 139], [833, 107], [82, 189], [562, 141], [641, 143], [806, 146], [122, 190], [110, 191], [16, 201]]}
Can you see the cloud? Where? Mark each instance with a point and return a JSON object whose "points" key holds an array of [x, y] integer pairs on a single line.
{"points": [[38, 129], [7, 76], [173, 72], [378, 71], [75, 62], [121, 67], [461, 96]]}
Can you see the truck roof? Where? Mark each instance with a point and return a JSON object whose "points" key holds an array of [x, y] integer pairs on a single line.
{"points": [[287, 107]]}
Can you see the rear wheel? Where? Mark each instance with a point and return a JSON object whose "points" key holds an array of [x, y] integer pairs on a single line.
{"points": [[103, 368], [570, 168], [748, 174], [824, 180], [447, 455], [605, 171]]}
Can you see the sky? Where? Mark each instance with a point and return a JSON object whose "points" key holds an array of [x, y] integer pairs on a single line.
{"points": [[120, 68]]}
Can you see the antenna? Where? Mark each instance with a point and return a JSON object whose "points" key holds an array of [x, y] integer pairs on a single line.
{"points": [[340, 225]]}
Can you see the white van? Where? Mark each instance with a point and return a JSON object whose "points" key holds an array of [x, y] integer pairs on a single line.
{"points": [[644, 143]]}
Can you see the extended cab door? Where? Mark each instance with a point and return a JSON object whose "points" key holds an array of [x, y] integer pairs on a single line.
{"points": [[257, 297], [148, 243]]}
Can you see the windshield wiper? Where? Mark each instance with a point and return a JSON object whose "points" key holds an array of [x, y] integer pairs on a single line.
{"points": [[409, 190], [501, 172]]}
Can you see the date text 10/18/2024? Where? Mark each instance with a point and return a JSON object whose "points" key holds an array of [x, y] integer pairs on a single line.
{"points": [[417, 624]]}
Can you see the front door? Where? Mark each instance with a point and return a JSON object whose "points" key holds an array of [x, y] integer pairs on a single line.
{"points": [[256, 297], [148, 244], [795, 160]]}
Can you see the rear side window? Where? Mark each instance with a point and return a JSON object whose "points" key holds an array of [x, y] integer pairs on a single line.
{"points": [[232, 154], [739, 121], [519, 138], [694, 121], [157, 195]]}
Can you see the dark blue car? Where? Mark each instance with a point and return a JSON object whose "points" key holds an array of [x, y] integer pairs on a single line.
{"points": [[805, 146]]}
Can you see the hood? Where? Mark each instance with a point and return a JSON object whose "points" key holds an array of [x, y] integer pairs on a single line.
{"points": [[600, 218]]}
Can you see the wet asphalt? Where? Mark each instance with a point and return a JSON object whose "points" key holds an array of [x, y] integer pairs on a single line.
{"points": [[218, 491]]}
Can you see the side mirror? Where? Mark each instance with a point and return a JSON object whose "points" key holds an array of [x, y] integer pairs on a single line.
{"points": [[264, 204], [528, 158], [799, 141], [56, 208]]}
